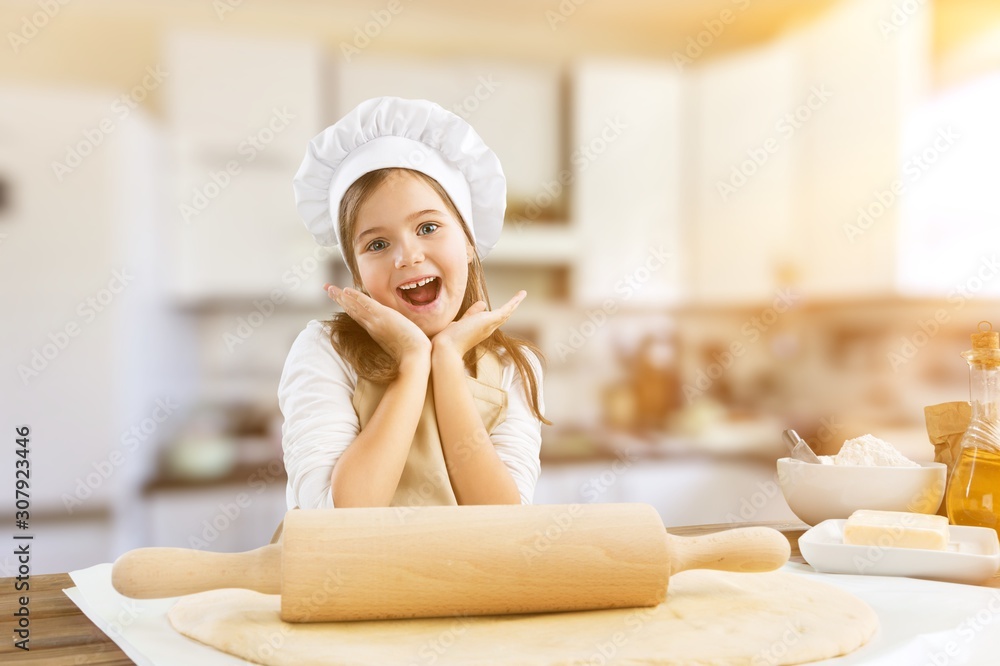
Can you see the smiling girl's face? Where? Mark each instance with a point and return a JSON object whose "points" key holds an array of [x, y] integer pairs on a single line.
{"points": [[405, 234]]}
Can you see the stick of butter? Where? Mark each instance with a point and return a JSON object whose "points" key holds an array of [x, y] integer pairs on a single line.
{"points": [[896, 529]]}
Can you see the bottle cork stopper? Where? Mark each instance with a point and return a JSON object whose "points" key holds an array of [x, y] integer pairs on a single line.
{"points": [[986, 338]]}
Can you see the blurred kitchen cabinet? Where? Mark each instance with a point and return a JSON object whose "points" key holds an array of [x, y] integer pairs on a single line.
{"points": [[709, 490], [91, 348], [796, 155], [692, 490], [246, 243], [850, 150], [948, 229], [236, 148], [582, 482], [61, 545], [230, 518], [514, 108], [740, 231], [248, 99], [626, 188]]}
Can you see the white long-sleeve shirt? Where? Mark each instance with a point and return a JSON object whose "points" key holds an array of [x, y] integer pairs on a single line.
{"points": [[315, 397]]}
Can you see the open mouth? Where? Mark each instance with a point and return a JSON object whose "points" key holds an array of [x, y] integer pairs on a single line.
{"points": [[423, 295]]}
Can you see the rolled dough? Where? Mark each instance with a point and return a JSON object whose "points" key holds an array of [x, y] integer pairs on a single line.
{"points": [[709, 617]]}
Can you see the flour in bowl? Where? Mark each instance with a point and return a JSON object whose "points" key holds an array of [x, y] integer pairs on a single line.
{"points": [[869, 451]]}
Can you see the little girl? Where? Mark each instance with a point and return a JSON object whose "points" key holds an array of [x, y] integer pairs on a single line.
{"points": [[412, 395]]}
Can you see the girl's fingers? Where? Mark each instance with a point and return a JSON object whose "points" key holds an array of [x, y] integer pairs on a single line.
{"points": [[507, 310], [355, 297], [339, 295], [475, 308], [352, 298], [500, 317], [364, 300], [355, 309], [503, 314], [514, 302]]}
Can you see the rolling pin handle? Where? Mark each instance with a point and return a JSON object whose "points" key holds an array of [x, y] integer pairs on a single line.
{"points": [[155, 573], [744, 549]]}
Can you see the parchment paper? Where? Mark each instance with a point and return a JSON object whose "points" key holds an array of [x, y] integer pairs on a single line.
{"points": [[922, 622]]}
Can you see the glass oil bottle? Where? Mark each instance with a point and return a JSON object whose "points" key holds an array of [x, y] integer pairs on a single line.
{"points": [[973, 495]]}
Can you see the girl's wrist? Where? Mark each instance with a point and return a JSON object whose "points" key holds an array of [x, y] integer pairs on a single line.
{"points": [[416, 363], [444, 349]]}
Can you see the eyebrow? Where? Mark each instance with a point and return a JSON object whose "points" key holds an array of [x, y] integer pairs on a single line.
{"points": [[409, 218]]}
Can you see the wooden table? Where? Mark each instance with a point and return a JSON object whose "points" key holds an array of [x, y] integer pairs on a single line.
{"points": [[62, 635]]}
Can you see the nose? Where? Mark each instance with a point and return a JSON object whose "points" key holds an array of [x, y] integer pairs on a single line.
{"points": [[408, 253]]}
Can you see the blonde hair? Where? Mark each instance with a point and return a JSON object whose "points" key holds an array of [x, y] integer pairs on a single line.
{"points": [[365, 355]]}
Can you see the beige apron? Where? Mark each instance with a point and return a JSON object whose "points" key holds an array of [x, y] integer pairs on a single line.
{"points": [[425, 480]]}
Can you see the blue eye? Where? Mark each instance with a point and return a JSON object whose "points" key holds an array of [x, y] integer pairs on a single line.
{"points": [[372, 244], [428, 224]]}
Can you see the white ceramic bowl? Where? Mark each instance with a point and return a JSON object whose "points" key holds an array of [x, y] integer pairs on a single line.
{"points": [[822, 492]]}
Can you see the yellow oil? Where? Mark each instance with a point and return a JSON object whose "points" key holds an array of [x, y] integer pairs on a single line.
{"points": [[974, 489]]}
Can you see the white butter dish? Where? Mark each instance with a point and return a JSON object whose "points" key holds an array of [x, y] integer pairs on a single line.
{"points": [[973, 555]]}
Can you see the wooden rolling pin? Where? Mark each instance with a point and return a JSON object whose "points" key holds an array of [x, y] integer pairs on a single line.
{"points": [[406, 562]]}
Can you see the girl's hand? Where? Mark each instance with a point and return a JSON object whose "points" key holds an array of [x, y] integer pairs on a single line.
{"points": [[397, 335], [476, 325]]}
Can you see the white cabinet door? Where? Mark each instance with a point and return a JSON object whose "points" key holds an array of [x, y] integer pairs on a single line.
{"points": [[579, 483], [794, 145], [740, 231], [247, 243], [626, 201], [850, 152], [224, 519], [237, 146], [243, 98], [948, 230], [514, 108], [706, 491], [684, 491]]}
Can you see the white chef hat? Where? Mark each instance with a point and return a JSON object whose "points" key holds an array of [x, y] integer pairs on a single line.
{"points": [[417, 134]]}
